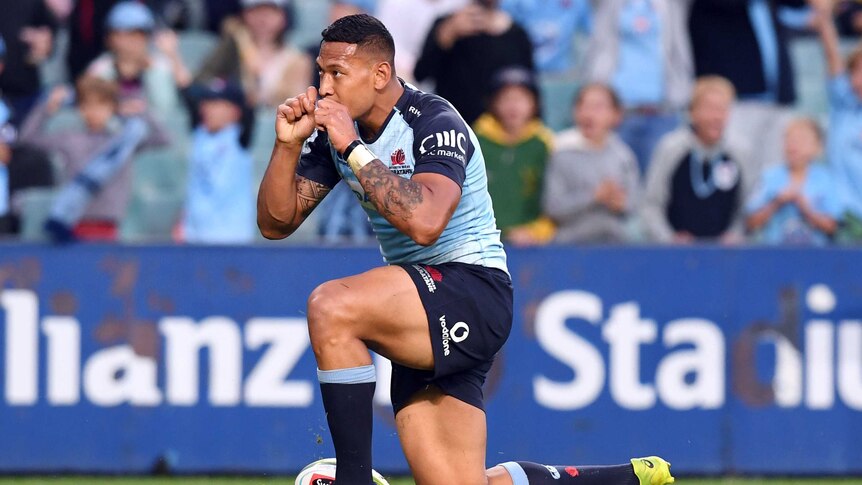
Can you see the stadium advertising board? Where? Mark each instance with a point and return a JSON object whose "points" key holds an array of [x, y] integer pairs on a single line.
{"points": [[130, 359]]}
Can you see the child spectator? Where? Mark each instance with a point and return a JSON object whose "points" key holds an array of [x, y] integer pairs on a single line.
{"points": [[516, 146], [144, 76], [219, 206], [592, 180], [694, 189], [796, 201], [844, 152], [255, 50], [82, 151]]}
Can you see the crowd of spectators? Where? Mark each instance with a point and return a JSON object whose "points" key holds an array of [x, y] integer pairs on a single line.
{"points": [[683, 122]]}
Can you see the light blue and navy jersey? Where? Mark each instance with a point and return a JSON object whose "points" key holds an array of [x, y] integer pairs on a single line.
{"points": [[423, 134]]}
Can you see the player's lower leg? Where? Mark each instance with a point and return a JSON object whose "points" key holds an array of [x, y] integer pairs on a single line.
{"points": [[347, 381], [641, 471]]}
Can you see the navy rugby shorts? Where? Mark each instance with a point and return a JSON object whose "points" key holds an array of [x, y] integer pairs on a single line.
{"points": [[469, 310]]}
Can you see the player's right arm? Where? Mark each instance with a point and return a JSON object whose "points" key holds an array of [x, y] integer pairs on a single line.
{"points": [[285, 198]]}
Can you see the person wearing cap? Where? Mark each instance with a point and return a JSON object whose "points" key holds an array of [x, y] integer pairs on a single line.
{"points": [[516, 145], [98, 104], [143, 75], [254, 49], [219, 207]]}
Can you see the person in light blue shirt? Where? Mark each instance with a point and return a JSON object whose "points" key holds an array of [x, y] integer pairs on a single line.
{"points": [[219, 205], [552, 27], [844, 147], [641, 49], [796, 201]]}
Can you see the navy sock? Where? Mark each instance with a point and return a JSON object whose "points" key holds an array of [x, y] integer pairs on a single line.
{"points": [[528, 473], [347, 397]]}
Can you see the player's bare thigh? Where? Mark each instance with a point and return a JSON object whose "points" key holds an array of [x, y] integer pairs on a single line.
{"points": [[443, 438], [380, 307]]}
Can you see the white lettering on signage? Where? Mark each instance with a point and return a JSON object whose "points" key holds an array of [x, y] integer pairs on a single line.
{"points": [[691, 372], [117, 375]]}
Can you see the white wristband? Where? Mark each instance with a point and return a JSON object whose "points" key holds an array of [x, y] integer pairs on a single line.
{"points": [[360, 157]]}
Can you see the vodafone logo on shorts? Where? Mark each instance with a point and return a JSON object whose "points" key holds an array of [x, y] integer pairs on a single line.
{"points": [[459, 333]]}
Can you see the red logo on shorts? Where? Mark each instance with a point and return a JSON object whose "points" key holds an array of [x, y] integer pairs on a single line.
{"points": [[572, 471], [398, 157], [436, 275]]}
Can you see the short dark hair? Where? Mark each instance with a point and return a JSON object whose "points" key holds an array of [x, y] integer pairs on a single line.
{"points": [[363, 30]]}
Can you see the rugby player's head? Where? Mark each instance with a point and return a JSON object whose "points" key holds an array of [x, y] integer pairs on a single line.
{"points": [[356, 62]]}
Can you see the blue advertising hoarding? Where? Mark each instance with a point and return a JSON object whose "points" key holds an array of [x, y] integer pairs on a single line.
{"points": [[122, 359]]}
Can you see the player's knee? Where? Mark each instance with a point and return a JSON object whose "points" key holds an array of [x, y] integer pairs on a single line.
{"points": [[329, 315]]}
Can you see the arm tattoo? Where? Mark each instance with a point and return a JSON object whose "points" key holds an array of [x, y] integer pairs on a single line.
{"points": [[393, 196], [308, 194]]}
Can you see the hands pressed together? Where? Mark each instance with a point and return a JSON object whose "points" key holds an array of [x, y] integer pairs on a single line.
{"points": [[299, 116]]}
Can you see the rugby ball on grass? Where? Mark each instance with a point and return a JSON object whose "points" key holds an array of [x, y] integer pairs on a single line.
{"points": [[322, 472]]}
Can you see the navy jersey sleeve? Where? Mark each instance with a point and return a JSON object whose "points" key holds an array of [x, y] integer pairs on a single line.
{"points": [[316, 163], [441, 142]]}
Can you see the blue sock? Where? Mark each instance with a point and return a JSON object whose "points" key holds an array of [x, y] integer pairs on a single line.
{"points": [[347, 397], [527, 473]]}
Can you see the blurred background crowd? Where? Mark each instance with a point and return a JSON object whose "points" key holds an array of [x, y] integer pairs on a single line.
{"points": [[601, 121]]}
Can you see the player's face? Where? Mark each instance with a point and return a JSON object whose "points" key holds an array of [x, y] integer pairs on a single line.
{"points": [[709, 116], [347, 76]]}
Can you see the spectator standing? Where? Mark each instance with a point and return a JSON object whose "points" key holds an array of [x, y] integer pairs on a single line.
{"points": [[87, 34], [464, 50], [844, 152], [219, 206], [591, 185], [641, 48], [552, 27], [27, 28], [255, 50], [142, 75], [98, 103], [409, 22], [753, 54], [516, 146], [694, 188], [796, 201]]}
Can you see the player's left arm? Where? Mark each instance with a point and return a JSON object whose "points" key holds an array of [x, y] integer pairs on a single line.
{"points": [[419, 207]]}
